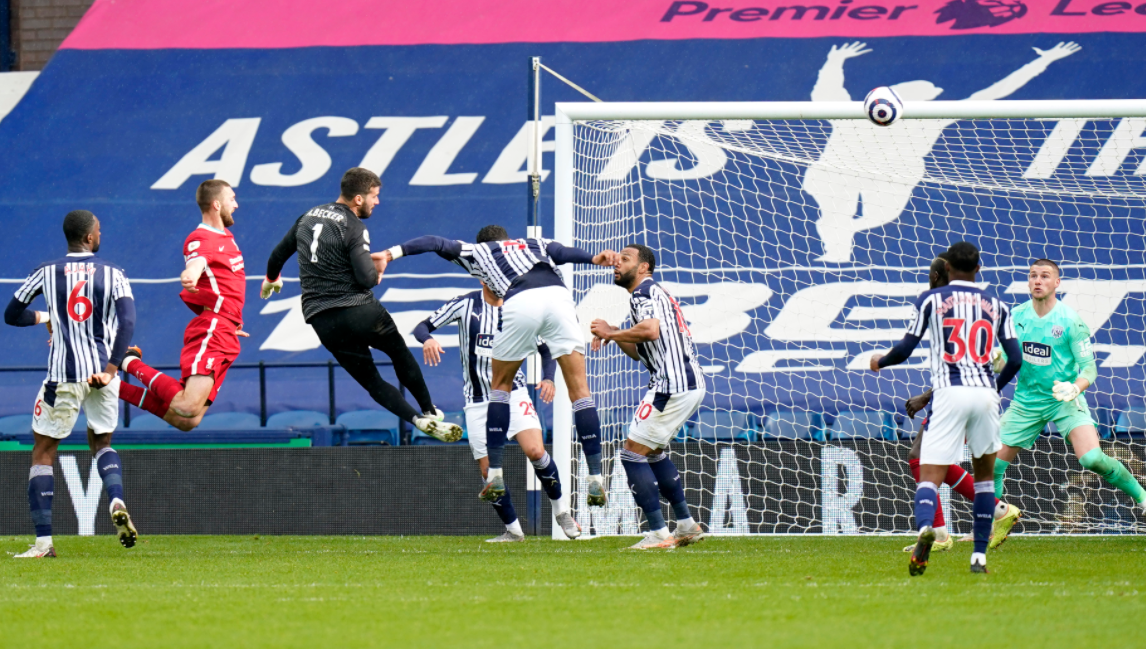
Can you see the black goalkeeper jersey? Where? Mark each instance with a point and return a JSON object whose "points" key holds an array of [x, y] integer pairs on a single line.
{"points": [[334, 265]]}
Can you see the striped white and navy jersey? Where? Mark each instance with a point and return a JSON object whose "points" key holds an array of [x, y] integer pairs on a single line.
{"points": [[671, 358], [962, 323], [507, 267], [478, 322], [81, 291]]}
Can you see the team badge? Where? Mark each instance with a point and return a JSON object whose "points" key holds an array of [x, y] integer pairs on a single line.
{"points": [[1057, 331]]}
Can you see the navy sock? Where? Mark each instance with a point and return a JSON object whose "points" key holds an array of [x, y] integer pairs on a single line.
{"points": [[41, 488], [668, 479], [496, 426], [504, 508], [111, 472], [547, 474], [925, 497], [643, 484], [589, 432], [984, 511]]}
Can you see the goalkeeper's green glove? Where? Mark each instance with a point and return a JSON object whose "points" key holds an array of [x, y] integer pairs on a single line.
{"points": [[1064, 391], [998, 361], [270, 287]]}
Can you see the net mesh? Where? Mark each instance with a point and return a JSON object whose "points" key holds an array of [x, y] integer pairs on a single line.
{"points": [[796, 249]]}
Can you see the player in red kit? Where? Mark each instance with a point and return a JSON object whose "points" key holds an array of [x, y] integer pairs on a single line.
{"points": [[214, 286]]}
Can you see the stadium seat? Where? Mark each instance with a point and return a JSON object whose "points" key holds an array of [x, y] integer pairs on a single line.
{"points": [[369, 427], [148, 421], [16, 425], [724, 426], [862, 424], [298, 419], [794, 424], [230, 421], [1131, 422]]}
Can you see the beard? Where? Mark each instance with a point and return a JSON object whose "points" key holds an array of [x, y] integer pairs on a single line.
{"points": [[364, 211], [625, 280], [95, 246], [228, 220]]}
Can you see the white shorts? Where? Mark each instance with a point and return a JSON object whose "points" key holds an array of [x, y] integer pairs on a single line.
{"points": [[657, 421], [547, 313], [522, 416], [961, 413], [57, 408]]}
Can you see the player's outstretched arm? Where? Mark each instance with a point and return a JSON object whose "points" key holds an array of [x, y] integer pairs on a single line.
{"points": [[1019, 78], [448, 249], [431, 349], [830, 81], [273, 282], [563, 254], [901, 352]]}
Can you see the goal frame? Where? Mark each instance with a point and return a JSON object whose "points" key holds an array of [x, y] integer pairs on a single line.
{"points": [[567, 113]]}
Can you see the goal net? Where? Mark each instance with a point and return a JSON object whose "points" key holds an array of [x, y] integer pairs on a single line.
{"points": [[796, 248]]}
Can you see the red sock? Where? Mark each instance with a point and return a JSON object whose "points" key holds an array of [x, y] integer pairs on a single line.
{"points": [[939, 520], [143, 398], [155, 381]]}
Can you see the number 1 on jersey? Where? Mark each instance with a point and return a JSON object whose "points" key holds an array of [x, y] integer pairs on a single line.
{"points": [[314, 243]]}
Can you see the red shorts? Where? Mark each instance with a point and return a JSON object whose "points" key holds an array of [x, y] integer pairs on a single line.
{"points": [[210, 345]]}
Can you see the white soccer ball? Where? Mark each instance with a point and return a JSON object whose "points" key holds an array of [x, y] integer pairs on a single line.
{"points": [[883, 106]]}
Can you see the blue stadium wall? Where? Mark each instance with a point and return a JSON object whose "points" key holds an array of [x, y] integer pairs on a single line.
{"points": [[101, 127]]}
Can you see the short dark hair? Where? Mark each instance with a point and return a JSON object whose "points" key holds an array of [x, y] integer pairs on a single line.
{"points": [[1047, 262], [77, 225], [645, 255], [963, 256], [358, 182], [492, 233], [208, 192]]}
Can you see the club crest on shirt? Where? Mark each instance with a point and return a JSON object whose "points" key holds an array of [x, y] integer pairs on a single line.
{"points": [[1057, 331]]}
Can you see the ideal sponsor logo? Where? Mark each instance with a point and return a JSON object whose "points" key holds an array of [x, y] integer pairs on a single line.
{"points": [[1037, 354]]}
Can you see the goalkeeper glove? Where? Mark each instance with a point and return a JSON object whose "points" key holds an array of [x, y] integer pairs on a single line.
{"points": [[1064, 391], [998, 361], [270, 287]]}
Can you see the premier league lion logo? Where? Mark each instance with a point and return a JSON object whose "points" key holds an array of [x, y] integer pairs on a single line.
{"points": [[969, 14]]}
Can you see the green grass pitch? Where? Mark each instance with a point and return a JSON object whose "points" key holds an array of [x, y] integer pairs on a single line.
{"points": [[334, 592]]}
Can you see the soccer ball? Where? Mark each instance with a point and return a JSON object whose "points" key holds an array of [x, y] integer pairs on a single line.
{"points": [[883, 106]]}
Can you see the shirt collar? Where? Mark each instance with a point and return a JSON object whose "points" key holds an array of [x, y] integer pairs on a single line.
{"points": [[207, 227], [81, 254], [961, 282]]}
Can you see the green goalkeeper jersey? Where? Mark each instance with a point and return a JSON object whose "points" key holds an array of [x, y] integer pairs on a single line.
{"points": [[1055, 348]]}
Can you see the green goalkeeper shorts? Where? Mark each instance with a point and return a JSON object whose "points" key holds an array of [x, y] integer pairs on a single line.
{"points": [[1022, 423]]}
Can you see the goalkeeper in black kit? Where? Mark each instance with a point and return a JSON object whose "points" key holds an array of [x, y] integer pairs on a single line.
{"points": [[338, 275]]}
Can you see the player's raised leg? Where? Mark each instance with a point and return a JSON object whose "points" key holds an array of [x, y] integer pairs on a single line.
{"points": [[1084, 440], [587, 423], [533, 445]]}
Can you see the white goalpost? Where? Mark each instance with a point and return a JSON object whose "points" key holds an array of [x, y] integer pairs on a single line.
{"points": [[796, 235]]}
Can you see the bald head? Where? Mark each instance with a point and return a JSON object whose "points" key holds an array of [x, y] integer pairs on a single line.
{"points": [[938, 275]]}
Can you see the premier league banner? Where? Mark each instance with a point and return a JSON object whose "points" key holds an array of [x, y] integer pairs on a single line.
{"points": [[148, 98]]}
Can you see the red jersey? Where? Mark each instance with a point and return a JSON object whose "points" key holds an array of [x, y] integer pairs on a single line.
{"points": [[223, 285]]}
